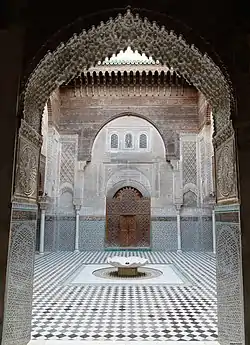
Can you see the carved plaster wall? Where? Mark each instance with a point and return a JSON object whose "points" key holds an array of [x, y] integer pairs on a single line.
{"points": [[226, 171], [205, 156]]}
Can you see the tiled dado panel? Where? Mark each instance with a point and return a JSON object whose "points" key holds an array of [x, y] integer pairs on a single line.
{"points": [[164, 234], [50, 234], [229, 275], [206, 234], [19, 279], [59, 234], [196, 234], [92, 233]]}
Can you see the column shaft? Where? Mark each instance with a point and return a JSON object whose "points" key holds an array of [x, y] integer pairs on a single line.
{"points": [[178, 231], [77, 232], [214, 231], [42, 226]]}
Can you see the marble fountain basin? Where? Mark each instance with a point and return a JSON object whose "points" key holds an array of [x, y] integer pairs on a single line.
{"points": [[127, 266]]}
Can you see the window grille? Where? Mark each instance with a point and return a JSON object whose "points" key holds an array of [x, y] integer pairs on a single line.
{"points": [[114, 141], [143, 141]]}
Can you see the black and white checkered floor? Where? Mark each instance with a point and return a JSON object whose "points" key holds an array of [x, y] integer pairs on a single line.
{"points": [[124, 312]]}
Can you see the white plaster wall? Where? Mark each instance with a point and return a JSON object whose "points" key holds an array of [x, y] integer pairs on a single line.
{"points": [[135, 166], [128, 124]]}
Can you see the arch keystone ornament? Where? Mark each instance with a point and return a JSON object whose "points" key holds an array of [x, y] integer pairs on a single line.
{"points": [[89, 47]]}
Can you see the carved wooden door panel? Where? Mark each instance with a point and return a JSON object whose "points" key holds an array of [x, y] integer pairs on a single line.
{"points": [[128, 230], [128, 219]]}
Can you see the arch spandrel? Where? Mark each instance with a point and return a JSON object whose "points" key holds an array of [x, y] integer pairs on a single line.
{"points": [[86, 49]]}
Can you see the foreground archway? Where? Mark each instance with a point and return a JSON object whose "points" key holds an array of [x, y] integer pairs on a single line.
{"points": [[60, 66]]}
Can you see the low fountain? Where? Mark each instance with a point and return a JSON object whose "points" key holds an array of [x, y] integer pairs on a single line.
{"points": [[127, 266]]}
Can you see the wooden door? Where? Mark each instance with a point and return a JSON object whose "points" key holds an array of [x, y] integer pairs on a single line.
{"points": [[128, 219], [128, 231]]}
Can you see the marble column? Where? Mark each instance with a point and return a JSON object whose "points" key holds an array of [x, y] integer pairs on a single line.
{"points": [[42, 226], [43, 202], [178, 219], [214, 231], [77, 209]]}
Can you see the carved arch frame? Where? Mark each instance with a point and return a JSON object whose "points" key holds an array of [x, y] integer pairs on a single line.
{"points": [[65, 62]]}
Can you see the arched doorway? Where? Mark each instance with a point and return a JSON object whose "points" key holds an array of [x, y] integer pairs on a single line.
{"points": [[128, 219]]}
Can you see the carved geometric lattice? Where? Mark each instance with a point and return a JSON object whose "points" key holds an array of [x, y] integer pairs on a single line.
{"points": [[189, 162], [143, 141], [202, 167], [229, 280], [67, 163]]}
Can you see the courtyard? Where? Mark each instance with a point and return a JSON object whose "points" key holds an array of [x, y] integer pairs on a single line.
{"points": [[69, 303]]}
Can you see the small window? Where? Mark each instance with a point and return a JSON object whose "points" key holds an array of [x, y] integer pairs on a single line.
{"points": [[114, 141], [143, 141], [128, 141]]}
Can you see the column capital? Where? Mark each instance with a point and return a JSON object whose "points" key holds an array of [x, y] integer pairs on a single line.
{"points": [[178, 207], [77, 204], [44, 201], [81, 165]]}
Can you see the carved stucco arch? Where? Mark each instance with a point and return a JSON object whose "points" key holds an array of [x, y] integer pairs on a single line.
{"points": [[111, 190], [123, 175], [164, 136], [190, 187], [66, 188], [87, 48]]}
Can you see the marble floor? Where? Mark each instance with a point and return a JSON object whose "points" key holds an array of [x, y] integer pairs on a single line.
{"points": [[182, 308], [107, 342]]}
